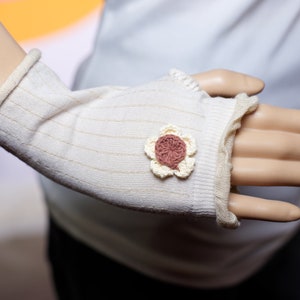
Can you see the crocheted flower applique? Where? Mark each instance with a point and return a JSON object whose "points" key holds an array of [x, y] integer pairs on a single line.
{"points": [[171, 153]]}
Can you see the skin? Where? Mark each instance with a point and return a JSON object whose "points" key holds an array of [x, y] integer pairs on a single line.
{"points": [[11, 54], [265, 153]]}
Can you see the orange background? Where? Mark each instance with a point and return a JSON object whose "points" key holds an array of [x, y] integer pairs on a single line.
{"points": [[28, 19]]}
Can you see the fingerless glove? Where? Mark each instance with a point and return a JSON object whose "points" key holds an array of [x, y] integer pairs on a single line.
{"points": [[162, 147]]}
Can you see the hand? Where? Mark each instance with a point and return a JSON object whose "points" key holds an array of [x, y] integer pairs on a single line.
{"points": [[265, 153]]}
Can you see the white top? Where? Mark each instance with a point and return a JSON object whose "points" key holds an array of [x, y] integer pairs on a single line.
{"points": [[138, 41]]}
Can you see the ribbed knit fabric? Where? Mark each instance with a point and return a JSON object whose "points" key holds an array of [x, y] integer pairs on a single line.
{"points": [[93, 140]]}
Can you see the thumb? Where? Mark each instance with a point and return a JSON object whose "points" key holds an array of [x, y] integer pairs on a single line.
{"points": [[226, 83]]}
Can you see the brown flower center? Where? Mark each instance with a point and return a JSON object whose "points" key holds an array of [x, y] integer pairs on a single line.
{"points": [[170, 150]]}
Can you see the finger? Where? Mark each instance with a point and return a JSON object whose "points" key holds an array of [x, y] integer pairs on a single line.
{"points": [[265, 172], [270, 117], [228, 83], [267, 144], [248, 207]]}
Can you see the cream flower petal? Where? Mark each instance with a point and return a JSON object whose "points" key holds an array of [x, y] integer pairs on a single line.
{"points": [[160, 170], [190, 144], [150, 147], [185, 167], [170, 129]]}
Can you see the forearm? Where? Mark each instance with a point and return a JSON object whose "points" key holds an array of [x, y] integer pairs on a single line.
{"points": [[11, 54]]}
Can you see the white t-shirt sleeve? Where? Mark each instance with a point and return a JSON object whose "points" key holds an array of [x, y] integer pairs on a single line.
{"points": [[164, 146]]}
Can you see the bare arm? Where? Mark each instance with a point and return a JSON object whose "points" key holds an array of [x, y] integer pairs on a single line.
{"points": [[11, 54]]}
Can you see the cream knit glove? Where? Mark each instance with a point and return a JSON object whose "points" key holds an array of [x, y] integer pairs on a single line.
{"points": [[164, 146]]}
